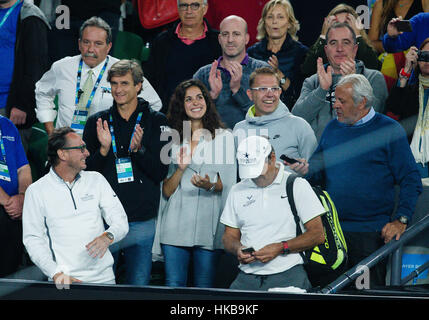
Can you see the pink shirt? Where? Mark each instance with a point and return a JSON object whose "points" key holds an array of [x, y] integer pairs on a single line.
{"points": [[189, 41]]}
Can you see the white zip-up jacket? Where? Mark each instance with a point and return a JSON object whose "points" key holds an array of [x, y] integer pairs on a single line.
{"points": [[60, 219]]}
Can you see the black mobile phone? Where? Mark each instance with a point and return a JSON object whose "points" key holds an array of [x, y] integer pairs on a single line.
{"points": [[423, 56], [403, 26], [287, 159], [247, 250]]}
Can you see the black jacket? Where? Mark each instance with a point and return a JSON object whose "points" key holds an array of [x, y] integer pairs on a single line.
{"points": [[155, 69], [403, 105], [31, 61], [140, 198]]}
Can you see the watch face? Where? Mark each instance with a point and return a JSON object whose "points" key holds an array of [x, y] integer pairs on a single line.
{"points": [[109, 235], [403, 219]]}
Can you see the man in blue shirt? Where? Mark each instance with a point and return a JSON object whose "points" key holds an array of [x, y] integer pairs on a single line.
{"points": [[15, 177], [361, 156], [24, 57]]}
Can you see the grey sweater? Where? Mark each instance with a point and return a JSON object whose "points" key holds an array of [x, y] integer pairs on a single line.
{"points": [[288, 134], [314, 104]]}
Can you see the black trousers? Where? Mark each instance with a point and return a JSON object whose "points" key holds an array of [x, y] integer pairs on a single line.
{"points": [[360, 245], [11, 246]]}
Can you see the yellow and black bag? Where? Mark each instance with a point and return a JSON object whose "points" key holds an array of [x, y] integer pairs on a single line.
{"points": [[327, 261]]}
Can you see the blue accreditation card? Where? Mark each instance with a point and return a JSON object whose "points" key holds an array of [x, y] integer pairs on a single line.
{"points": [[79, 121], [124, 170], [4, 172]]}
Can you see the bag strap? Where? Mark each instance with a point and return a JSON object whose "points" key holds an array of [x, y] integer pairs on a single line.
{"points": [[289, 191]]}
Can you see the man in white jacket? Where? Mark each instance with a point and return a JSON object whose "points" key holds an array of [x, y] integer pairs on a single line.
{"points": [[63, 228]]}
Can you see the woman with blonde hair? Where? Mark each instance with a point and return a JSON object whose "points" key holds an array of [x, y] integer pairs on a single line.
{"points": [[279, 46], [366, 52]]}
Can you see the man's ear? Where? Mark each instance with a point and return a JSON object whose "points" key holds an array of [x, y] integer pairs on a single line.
{"points": [[249, 94], [362, 105]]}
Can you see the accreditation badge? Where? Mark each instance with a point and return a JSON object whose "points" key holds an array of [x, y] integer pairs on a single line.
{"points": [[124, 170], [4, 172], [79, 121]]}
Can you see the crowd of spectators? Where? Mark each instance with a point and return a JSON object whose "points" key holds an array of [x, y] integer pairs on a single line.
{"points": [[174, 160]]}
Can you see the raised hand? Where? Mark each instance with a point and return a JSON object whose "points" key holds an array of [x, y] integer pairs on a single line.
{"points": [[215, 80], [325, 77], [392, 31], [183, 158], [136, 142], [104, 137], [348, 67]]}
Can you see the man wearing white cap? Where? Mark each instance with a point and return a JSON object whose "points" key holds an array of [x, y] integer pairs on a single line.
{"points": [[259, 225]]}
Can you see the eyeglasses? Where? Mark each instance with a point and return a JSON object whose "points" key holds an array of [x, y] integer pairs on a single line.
{"points": [[82, 148], [194, 6], [266, 89]]}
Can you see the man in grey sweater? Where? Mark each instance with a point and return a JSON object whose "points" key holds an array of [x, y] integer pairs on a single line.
{"points": [[269, 117], [318, 91]]}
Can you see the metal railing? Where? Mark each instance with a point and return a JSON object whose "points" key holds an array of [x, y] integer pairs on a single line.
{"points": [[394, 247]]}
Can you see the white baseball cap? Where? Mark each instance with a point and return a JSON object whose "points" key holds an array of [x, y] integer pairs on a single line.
{"points": [[251, 155]]}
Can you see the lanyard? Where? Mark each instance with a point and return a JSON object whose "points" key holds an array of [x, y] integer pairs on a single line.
{"points": [[9, 12], [79, 75], [2, 148], [112, 133]]}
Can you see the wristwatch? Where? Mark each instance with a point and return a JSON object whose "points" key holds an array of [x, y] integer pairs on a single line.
{"points": [[403, 219], [286, 249], [109, 235], [283, 80]]}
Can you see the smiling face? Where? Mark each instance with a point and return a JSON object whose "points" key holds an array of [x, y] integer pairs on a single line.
{"points": [[124, 91], [195, 104], [340, 47], [93, 46], [265, 102], [277, 22], [75, 158]]}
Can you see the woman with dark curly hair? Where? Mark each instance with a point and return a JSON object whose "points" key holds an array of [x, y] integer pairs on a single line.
{"points": [[200, 176]]}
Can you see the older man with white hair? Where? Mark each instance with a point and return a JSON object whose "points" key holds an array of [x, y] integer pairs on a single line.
{"points": [[361, 156]]}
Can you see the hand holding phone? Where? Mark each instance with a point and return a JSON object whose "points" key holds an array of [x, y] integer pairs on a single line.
{"points": [[247, 250], [287, 159], [403, 26]]}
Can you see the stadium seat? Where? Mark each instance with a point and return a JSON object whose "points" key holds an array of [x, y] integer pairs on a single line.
{"points": [[128, 45]]}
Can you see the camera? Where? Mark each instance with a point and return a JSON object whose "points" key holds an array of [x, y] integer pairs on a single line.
{"points": [[423, 56]]}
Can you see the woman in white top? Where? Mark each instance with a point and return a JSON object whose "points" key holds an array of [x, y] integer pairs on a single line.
{"points": [[200, 176]]}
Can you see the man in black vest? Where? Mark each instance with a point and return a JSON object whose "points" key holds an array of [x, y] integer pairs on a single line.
{"points": [[179, 52]]}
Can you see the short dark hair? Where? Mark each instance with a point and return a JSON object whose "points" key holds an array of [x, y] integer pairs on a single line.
{"points": [[99, 23], [264, 71], [56, 141], [122, 67], [338, 25]]}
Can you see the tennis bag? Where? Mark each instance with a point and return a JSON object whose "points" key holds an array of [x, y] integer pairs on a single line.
{"points": [[327, 261]]}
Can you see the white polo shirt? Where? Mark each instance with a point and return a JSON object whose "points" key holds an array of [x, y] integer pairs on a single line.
{"points": [[263, 216]]}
